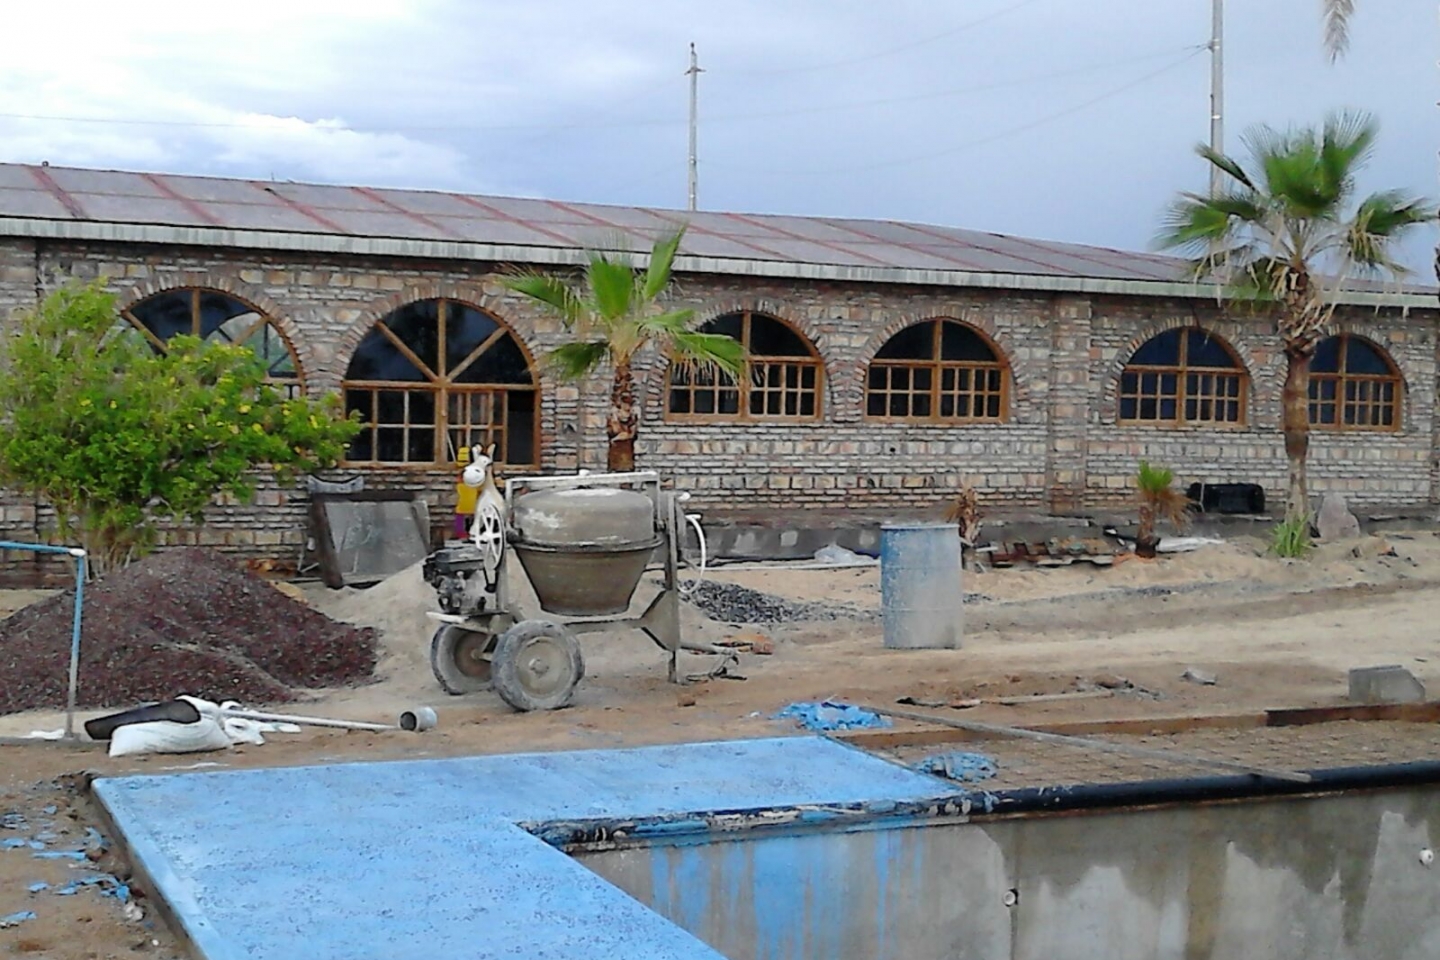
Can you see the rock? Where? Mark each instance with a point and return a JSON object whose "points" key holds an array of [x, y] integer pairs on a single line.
{"points": [[1195, 675], [1390, 683], [685, 699], [762, 646], [1335, 521], [1372, 547]]}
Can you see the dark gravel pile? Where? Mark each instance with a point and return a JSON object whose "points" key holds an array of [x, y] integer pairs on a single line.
{"points": [[184, 621], [729, 603]]}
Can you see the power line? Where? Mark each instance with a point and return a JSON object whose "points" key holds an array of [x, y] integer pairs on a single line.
{"points": [[612, 124], [1023, 128], [923, 41]]}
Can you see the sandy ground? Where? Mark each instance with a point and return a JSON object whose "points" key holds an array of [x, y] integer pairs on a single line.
{"points": [[1274, 633]]}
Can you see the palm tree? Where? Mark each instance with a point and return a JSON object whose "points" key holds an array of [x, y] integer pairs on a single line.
{"points": [[613, 314], [1337, 14], [1158, 501], [1282, 231]]}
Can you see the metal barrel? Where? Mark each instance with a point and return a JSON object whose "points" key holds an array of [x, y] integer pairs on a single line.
{"points": [[921, 596]]}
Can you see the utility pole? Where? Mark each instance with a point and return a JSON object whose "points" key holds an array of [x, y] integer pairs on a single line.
{"points": [[1217, 88], [694, 74]]}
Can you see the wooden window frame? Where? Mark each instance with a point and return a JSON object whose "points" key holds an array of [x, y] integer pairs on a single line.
{"points": [[1182, 372], [1343, 378], [293, 385], [443, 388], [745, 386], [937, 369]]}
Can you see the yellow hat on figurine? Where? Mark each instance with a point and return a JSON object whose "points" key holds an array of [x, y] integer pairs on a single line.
{"points": [[463, 455]]}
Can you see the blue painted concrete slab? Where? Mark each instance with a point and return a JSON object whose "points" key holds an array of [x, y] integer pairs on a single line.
{"points": [[422, 859]]}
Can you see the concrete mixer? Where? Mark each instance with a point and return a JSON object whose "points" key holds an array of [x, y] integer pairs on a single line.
{"points": [[583, 542]]}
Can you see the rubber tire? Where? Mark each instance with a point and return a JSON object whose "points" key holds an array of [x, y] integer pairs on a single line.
{"points": [[505, 676], [442, 663]]}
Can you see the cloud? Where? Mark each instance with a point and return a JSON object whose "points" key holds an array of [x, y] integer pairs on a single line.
{"points": [[1033, 117]]}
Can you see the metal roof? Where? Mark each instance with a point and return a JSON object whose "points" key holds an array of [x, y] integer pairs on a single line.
{"points": [[72, 203]]}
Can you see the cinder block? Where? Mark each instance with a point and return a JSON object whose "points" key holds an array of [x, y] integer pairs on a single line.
{"points": [[1385, 684]]}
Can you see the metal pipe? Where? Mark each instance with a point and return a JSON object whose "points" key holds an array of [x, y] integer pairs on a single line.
{"points": [[1099, 796], [311, 721], [74, 682]]}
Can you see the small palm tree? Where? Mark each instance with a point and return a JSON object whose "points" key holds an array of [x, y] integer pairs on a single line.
{"points": [[1283, 232], [1158, 501], [613, 314]]}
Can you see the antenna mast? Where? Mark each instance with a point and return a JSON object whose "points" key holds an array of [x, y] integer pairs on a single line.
{"points": [[1217, 88]]}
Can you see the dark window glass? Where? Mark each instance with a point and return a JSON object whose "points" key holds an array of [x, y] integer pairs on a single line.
{"points": [[771, 338], [1205, 351], [961, 343], [417, 325], [913, 343], [166, 314], [1361, 357], [377, 359], [1162, 350], [465, 330], [1327, 356]]}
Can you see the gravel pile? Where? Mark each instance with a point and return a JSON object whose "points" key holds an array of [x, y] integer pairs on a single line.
{"points": [[730, 603], [184, 621]]}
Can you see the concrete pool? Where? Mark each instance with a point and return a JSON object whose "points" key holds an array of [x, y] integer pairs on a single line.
{"points": [[778, 849]]}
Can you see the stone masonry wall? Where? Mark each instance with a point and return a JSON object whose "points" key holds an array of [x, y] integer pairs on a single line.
{"points": [[1059, 448]]}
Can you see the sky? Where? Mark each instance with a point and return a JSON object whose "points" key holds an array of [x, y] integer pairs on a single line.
{"points": [[1053, 119]]}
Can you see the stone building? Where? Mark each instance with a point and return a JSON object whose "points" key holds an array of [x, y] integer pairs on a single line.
{"points": [[889, 361]]}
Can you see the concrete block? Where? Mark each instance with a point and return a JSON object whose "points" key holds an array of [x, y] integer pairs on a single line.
{"points": [[1391, 683]]}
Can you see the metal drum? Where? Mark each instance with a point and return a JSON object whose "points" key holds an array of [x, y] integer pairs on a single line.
{"points": [[921, 595], [584, 550]]}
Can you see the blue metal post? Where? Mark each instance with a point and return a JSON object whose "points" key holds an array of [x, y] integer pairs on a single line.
{"points": [[79, 556]]}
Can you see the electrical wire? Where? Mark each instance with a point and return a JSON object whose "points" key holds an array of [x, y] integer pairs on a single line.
{"points": [[547, 129], [1004, 134], [880, 55]]}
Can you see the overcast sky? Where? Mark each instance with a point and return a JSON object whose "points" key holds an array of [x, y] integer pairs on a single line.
{"points": [[1044, 118]]}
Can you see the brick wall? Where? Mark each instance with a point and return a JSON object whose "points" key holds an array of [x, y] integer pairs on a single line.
{"points": [[1059, 448]]}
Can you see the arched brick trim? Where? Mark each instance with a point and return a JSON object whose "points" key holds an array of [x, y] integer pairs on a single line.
{"points": [[473, 295], [305, 363], [657, 367], [1232, 337], [1019, 371]]}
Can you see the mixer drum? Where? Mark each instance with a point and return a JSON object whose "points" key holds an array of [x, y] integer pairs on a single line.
{"points": [[584, 550]]}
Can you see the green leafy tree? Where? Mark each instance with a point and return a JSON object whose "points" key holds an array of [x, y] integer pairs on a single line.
{"points": [[613, 314], [1286, 231], [118, 437]]}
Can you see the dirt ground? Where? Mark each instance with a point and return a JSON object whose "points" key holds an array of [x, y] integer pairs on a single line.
{"points": [[1272, 633]]}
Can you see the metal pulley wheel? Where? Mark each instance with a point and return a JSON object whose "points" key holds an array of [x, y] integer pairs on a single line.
{"points": [[489, 536], [460, 659], [537, 665]]}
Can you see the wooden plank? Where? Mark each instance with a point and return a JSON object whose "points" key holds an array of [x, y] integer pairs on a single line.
{"points": [[1167, 756], [1428, 712], [1137, 726]]}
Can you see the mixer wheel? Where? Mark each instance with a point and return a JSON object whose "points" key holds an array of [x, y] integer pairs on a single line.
{"points": [[537, 665], [458, 658]]}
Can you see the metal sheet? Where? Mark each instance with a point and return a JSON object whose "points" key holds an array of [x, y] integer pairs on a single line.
{"points": [[31, 203], [495, 231], [246, 216], [138, 209], [216, 190], [103, 181]]}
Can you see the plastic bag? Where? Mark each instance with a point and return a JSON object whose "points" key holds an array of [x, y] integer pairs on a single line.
{"points": [[167, 736]]}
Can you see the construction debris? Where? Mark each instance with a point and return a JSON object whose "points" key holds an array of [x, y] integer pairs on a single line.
{"points": [[827, 716], [181, 620]]}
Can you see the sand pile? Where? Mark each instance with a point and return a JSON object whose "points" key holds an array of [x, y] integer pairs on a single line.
{"points": [[184, 621], [396, 607]]}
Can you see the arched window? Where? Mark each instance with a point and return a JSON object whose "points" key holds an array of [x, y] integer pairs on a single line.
{"points": [[941, 370], [438, 375], [781, 380], [212, 315], [1183, 377], [1353, 386]]}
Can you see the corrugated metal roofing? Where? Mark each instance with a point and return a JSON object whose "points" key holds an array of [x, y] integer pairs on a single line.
{"points": [[385, 219]]}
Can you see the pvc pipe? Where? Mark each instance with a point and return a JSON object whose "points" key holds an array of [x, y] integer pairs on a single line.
{"points": [[74, 681], [312, 721], [418, 719]]}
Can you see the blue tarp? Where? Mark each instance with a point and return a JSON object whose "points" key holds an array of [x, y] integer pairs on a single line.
{"points": [[827, 715]]}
